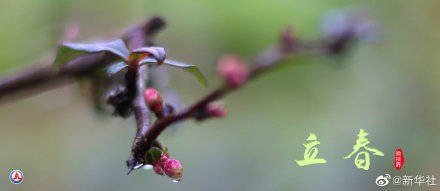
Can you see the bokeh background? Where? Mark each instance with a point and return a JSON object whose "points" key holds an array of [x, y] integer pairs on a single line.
{"points": [[390, 88]]}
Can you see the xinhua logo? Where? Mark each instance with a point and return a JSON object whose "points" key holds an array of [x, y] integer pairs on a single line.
{"points": [[16, 176]]}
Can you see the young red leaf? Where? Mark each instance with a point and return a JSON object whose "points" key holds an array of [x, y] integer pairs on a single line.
{"points": [[158, 53]]}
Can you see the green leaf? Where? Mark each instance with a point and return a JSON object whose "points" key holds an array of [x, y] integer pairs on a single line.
{"points": [[69, 51], [189, 68], [153, 154], [179, 65], [115, 68], [158, 53]]}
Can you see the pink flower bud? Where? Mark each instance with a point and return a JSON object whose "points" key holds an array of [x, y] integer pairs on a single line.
{"points": [[153, 99], [233, 70], [288, 40], [174, 169], [215, 109], [159, 164], [158, 170], [162, 161]]}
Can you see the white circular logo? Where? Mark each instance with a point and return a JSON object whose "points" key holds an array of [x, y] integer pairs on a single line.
{"points": [[16, 176]]}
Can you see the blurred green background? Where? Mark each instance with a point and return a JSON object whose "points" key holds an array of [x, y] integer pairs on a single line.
{"points": [[389, 88]]}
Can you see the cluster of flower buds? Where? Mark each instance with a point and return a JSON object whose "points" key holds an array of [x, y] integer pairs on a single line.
{"points": [[153, 100], [171, 167], [233, 70]]}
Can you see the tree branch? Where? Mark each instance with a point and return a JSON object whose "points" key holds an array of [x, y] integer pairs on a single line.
{"points": [[266, 60], [136, 78], [136, 83]]}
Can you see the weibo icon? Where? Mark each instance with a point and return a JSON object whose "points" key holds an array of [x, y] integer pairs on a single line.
{"points": [[398, 159], [16, 176]]}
